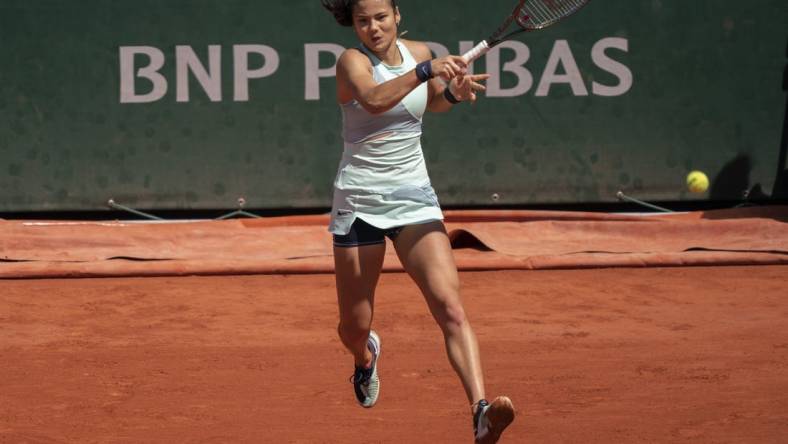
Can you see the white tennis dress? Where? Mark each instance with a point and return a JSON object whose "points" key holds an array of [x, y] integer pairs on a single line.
{"points": [[382, 177]]}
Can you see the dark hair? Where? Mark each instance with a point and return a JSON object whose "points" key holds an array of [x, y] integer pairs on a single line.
{"points": [[343, 9]]}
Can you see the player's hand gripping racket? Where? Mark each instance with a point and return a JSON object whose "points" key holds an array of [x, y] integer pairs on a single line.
{"points": [[530, 15]]}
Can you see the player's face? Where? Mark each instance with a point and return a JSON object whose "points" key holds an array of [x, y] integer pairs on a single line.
{"points": [[375, 22]]}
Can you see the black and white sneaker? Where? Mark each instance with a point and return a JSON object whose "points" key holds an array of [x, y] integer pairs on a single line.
{"points": [[491, 419], [365, 380]]}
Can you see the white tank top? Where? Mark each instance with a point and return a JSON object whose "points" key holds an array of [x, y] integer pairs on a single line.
{"points": [[382, 177], [405, 118]]}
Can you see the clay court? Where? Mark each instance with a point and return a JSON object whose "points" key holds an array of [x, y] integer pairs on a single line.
{"points": [[612, 178], [638, 353]]}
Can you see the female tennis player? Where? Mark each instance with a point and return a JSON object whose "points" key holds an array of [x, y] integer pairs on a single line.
{"points": [[384, 86]]}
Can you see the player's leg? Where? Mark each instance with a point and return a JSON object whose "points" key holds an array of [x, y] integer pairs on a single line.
{"points": [[358, 259], [425, 252], [357, 273]]}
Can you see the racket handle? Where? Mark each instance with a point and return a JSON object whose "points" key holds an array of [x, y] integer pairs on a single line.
{"points": [[477, 51]]}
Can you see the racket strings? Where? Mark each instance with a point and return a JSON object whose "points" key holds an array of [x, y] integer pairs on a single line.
{"points": [[540, 13]]}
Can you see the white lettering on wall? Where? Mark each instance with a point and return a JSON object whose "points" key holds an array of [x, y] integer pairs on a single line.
{"points": [[561, 55], [516, 66], [617, 69], [313, 72], [186, 61], [128, 76], [243, 72], [560, 68]]}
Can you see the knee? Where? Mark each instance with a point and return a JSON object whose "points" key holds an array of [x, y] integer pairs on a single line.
{"points": [[451, 317], [351, 332]]}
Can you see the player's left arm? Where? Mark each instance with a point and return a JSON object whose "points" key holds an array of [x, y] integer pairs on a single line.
{"points": [[463, 88]]}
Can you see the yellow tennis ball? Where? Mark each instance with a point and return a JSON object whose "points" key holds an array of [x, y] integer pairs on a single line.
{"points": [[697, 182]]}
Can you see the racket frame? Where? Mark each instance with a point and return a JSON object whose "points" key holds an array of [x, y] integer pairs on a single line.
{"points": [[516, 16]]}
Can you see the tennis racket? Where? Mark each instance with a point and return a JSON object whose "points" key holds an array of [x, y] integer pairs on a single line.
{"points": [[529, 15]]}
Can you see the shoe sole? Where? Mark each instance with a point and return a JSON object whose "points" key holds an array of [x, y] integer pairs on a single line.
{"points": [[500, 414], [377, 340]]}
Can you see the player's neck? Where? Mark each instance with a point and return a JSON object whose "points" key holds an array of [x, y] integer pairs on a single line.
{"points": [[391, 56]]}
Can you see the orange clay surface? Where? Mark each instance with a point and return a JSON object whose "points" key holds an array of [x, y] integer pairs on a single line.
{"points": [[589, 356]]}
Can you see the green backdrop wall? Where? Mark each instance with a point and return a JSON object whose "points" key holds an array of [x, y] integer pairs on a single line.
{"points": [[181, 104]]}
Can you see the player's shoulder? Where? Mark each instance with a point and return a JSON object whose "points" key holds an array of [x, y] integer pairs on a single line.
{"points": [[353, 57], [419, 50]]}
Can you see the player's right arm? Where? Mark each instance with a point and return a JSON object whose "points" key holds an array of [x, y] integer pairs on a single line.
{"points": [[355, 81]]}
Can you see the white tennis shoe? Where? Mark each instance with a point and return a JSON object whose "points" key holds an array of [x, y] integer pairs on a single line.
{"points": [[491, 419], [366, 382]]}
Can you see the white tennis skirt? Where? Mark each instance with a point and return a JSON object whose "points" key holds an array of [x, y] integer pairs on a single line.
{"points": [[385, 183]]}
